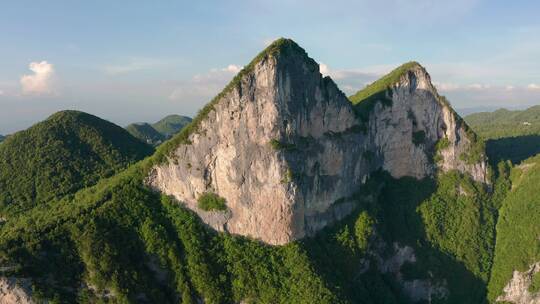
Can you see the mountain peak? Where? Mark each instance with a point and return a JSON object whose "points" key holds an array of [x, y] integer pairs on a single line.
{"points": [[280, 145], [384, 83]]}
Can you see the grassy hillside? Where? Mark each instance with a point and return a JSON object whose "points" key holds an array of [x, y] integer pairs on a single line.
{"points": [[505, 123], [510, 135], [170, 125], [68, 151], [146, 133], [155, 134], [517, 229], [125, 240]]}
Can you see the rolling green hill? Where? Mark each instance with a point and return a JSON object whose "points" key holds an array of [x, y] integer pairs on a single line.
{"points": [[146, 133], [68, 151], [170, 125], [510, 135], [505, 123], [155, 134]]}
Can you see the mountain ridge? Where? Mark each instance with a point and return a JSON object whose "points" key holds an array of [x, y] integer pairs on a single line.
{"points": [[308, 138]]}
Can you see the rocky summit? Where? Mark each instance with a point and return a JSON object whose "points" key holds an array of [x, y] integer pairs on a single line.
{"points": [[284, 151]]}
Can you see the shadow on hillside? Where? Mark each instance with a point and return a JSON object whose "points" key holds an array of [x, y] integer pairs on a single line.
{"points": [[398, 223], [515, 149]]}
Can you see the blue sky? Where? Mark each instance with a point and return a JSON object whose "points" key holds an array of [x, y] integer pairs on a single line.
{"points": [[130, 61]]}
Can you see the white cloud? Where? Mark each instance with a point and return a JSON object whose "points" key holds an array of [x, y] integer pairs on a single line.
{"points": [[41, 81], [1, 93], [509, 88], [324, 69], [232, 68], [204, 86], [352, 80], [533, 86]]}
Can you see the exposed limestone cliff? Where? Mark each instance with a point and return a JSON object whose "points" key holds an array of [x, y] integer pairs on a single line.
{"points": [[13, 291], [517, 289], [286, 149]]}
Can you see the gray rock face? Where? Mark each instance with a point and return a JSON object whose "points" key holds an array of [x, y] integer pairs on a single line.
{"points": [[517, 289], [286, 150], [15, 291]]}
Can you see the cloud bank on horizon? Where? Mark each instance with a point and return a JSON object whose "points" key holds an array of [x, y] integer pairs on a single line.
{"points": [[140, 62]]}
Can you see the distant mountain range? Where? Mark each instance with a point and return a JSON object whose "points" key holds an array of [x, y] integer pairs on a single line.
{"points": [[505, 123], [156, 133], [509, 135]]}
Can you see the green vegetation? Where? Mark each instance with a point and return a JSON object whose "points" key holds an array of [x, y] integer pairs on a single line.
{"points": [[363, 230], [477, 147], [517, 228], [118, 236], [383, 84], [278, 145], [146, 133], [442, 144], [68, 151], [171, 124], [535, 284], [510, 135], [2, 137], [504, 123], [160, 131], [418, 137], [210, 201], [280, 46]]}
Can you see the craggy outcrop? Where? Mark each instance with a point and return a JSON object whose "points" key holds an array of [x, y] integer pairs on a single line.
{"points": [[15, 291], [287, 150], [517, 289]]}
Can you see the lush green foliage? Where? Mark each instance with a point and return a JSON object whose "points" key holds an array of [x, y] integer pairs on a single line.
{"points": [[504, 123], [2, 137], [155, 134], [517, 228], [510, 135], [123, 239], [535, 284], [145, 133], [171, 124], [363, 230], [210, 201], [278, 145], [68, 151], [383, 84]]}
